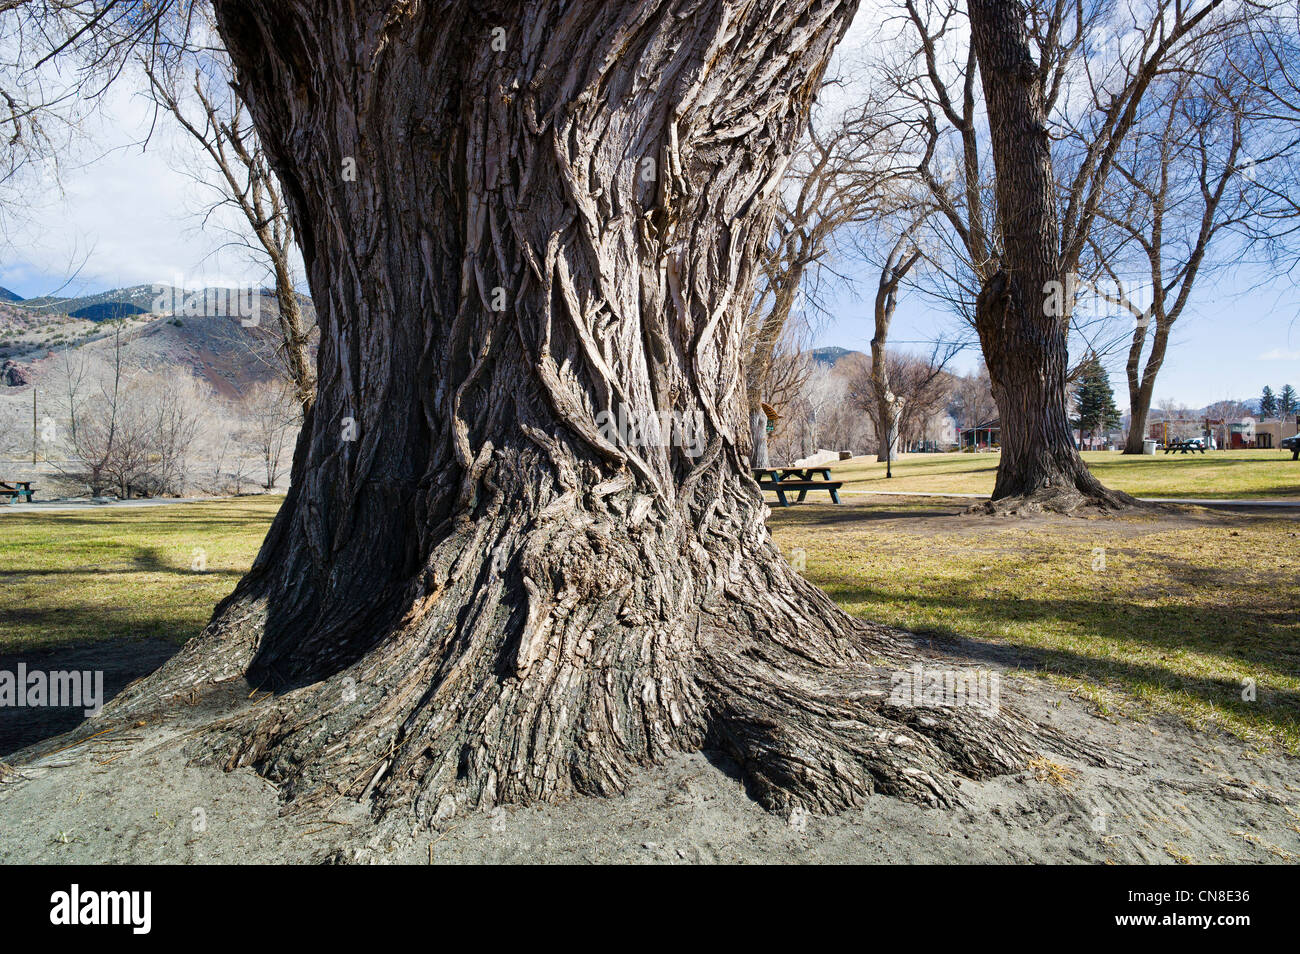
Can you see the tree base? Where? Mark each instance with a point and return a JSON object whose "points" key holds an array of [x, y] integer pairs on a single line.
{"points": [[1059, 501], [808, 710], [1060, 493]]}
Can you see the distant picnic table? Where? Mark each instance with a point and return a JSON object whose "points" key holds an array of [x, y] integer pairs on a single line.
{"points": [[783, 479], [19, 489], [1184, 447]]}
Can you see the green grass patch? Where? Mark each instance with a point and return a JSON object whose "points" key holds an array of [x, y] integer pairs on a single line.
{"points": [[1185, 609], [123, 573]]}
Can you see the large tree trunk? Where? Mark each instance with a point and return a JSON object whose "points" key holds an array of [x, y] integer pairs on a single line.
{"points": [[1023, 338], [477, 589]]}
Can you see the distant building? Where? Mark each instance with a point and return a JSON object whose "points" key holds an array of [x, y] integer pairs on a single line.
{"points": [[1269, 434], [982, 436], [938, 434], [1233, 434]]}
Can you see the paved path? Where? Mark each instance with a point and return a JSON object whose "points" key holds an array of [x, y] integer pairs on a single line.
{"points": [[1198, 501], [48, 505]]}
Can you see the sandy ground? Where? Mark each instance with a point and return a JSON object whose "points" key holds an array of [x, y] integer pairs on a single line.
{"points": [[1174, 795]]}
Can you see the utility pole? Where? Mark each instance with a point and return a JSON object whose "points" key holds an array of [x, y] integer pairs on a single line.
{"points": [[33, 425]]}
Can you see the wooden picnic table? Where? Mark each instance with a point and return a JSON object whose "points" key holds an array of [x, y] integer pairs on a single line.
{"points": [[1184, 447], [782, 479], [19, 489], [791, 473]]}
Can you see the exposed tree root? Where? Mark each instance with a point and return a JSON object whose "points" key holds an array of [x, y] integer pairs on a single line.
{"points": [[796, 692], [1063, 497], [823, 741]]}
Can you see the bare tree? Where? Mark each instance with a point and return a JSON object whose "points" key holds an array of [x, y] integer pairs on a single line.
{"points": [[120, 427], [888, 404], [1022, 313], [1181, 191], [843, 172], [244, 180], [919, 388], [1046, 68], [90, 398], [270, 418]]}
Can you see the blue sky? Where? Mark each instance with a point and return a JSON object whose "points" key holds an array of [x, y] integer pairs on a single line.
{"points": [[1240, 332]]}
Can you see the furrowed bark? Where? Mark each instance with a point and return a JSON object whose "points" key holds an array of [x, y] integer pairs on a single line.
{"points": [[1024, 341], [478, 589]]}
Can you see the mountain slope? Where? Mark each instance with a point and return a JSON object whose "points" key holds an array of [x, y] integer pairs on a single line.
{"points": [[226, 340]]}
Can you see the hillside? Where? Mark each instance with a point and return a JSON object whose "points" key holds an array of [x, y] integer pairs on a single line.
{"points": [[214, 345], [830, 356]]}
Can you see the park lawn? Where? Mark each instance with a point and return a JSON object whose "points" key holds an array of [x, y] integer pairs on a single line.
{"points": [[89, 575], [1183, 611], [1185, 608], [1212, 475]]}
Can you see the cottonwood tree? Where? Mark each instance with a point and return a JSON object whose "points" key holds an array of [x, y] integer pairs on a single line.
{"points": [[1030, 73], [515, 217], [1021, 327]]}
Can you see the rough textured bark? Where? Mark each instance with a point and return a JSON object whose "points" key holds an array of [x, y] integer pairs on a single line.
{"points": [[1024, 343], [484, 597]]}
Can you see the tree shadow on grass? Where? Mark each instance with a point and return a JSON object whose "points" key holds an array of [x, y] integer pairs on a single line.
{"points": [[1281, 705], [1172, 628], [121, 661], [817, 515]]}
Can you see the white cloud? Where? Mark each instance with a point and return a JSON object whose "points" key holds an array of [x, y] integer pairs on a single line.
{"points": [[1277, 354], [132, 215]]}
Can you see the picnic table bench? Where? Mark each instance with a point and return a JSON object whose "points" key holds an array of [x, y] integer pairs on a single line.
{"points": [[783, 479], [1184, 447], [18, 490]]}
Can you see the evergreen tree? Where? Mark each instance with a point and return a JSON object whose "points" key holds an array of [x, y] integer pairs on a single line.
{"points": [[1096, 400], [1267, 403], [1286, 401]]}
